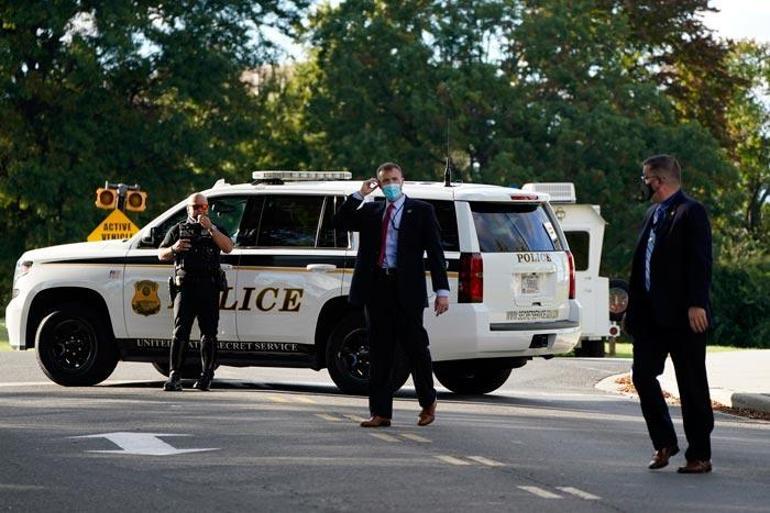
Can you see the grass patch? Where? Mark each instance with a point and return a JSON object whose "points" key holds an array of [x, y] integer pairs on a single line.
{"points": [[4, 346]]}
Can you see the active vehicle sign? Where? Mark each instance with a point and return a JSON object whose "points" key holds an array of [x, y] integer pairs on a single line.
{"points": [[115, 226]]}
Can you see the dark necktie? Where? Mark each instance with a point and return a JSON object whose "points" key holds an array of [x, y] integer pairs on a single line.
{"points": [[650, 249], [384, 234]]}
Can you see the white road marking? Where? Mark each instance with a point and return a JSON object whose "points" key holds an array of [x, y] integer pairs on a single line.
{"points": [[416, 438], [545, 494], [486, 461], [355, 418], [144, 444], [578, 493], [451, 460], [383, 436], [330, 418]]}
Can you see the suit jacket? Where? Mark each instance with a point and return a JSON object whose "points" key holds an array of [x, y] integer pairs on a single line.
{"points": [[680, 267], [418, 232]]}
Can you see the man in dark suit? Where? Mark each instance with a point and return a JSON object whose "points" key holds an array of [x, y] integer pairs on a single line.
{"points": [[389, 282], [669, 313]]}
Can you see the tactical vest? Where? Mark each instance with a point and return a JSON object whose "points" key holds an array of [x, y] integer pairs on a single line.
{"points": [[203, 256]]}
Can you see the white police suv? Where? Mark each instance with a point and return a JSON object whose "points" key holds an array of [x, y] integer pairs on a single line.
{"points": [[86, 306]]}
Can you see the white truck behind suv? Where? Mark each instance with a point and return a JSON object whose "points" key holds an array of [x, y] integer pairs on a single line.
{"points": [[86, 306], [604, 300]]}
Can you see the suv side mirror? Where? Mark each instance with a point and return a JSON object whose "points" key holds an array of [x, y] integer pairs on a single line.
{"points": [[152, 239]]}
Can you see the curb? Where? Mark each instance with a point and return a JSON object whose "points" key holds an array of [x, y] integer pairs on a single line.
{"points": [[757, 403]]}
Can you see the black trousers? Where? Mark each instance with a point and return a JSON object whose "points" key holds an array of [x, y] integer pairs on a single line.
{"points": [[688, 353], [195, 299], [390, 324]]}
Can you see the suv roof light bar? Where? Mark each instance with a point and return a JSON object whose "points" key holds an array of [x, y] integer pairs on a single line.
{"points": [[560, 192], [279, 177]]}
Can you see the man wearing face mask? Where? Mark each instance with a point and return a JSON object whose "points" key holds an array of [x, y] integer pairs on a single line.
{"points": [[669, 313], [389, 283], [194, 246]]}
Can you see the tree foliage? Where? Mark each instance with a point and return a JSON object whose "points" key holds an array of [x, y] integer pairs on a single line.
{"points": [[519, 91], [143, 91]]}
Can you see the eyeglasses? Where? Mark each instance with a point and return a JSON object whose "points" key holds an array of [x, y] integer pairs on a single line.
{"points": [[646, 179]]}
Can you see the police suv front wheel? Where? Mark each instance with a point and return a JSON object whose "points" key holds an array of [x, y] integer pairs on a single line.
{"points": [[74, 348], [347, 357]]}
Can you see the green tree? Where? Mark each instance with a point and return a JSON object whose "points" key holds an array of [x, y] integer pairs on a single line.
{"points": [[148, 92], [749, 128]]}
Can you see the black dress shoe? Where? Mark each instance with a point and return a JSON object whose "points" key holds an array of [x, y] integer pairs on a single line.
{"points": [[661, 457], [695, 467], [204, 383], [173, 384]]}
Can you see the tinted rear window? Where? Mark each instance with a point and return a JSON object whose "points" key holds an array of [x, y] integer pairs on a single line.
{"points": [[514, 227]]}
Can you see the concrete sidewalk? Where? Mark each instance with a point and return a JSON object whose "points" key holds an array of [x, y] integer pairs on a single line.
{"points": [[739, 379]]}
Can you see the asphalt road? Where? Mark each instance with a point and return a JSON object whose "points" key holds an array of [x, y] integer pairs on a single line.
{"points": [[277, 440]]}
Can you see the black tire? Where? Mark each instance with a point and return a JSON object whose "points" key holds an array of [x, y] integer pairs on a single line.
{"points": [[618, 299], [347, 357], [189, 370], [590, 349], [74, 347], [471, 378]]}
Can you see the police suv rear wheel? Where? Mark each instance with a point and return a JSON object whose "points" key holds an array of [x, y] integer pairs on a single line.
{"points": [[347, 357], [463, 378], [74, 348]]}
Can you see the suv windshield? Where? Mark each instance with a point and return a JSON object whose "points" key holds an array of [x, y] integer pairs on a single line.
{"points": [[514, 227]]}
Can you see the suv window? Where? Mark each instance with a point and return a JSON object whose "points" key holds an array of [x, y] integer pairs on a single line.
{"points": [[514, 227], [328, 235], [227, 212], [579, 245], [223, 211], [447, 220], [300, 221]]}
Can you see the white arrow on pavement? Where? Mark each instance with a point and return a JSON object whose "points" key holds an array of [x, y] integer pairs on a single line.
{"points": [[145, 444]]}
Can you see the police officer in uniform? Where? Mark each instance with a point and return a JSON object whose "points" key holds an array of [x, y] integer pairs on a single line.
{"points": [[194, 246]]}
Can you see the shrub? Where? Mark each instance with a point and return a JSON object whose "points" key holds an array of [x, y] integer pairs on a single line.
{"points": [[741, 301]]}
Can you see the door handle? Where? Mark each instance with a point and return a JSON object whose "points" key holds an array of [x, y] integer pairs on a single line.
{"points": [[321, 268]]}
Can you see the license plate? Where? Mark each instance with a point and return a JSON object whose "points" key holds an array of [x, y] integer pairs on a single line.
{"points": [[530, 284], [532, 315]]}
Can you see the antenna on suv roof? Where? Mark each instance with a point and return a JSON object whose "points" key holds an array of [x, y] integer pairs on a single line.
{"points": [[448, 168], [448, 172]]}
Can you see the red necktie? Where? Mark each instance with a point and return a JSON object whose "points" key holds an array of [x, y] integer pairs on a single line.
{"points": [[384, 234]]}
